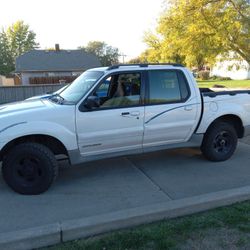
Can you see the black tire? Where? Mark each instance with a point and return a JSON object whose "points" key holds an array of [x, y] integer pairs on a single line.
{"points": [[29, 168], [219, 142]]}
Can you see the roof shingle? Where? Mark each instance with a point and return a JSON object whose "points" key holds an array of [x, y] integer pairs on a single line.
{"points": [[62, 60]]}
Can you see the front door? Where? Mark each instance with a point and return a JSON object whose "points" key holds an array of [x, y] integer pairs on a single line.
{"points": [[115, 123]]}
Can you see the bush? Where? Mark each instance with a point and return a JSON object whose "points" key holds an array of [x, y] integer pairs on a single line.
{"points": [[203, 74], [220, 78], [225, 78]]}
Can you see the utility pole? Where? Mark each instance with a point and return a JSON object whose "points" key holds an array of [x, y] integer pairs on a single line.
{"points": [[123, 57]]}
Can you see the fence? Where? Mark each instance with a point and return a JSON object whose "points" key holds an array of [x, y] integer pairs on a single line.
{"points": [[52, 79], [19, 93]]}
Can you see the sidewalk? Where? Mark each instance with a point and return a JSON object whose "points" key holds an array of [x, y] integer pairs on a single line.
{"points": [[100, 196]]}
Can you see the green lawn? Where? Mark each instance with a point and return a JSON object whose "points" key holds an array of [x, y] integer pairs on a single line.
{"points": [[229, 83], [222, 228]]}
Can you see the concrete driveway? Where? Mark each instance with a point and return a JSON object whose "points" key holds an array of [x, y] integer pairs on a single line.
{"points": [[113, 185]]}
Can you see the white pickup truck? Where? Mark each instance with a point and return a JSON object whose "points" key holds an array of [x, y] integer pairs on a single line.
{"points": [[114, 111]]}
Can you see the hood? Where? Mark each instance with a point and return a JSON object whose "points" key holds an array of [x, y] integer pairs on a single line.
{"points": [[39, 97], [35, 117], [25, 106]]}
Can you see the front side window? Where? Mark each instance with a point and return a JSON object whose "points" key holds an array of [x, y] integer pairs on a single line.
{"points": [[103, 88], [77, 89], [167, 86], [119, 90]]}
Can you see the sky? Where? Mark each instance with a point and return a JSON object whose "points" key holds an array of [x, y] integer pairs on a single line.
{"points": [[74, 23]]}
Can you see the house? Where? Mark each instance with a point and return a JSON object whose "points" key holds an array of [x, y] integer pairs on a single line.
{"points": [[233, 67], [52, 66]]}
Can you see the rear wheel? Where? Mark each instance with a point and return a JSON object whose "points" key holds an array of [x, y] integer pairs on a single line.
{"points": [[29, 168], [219, 142]]}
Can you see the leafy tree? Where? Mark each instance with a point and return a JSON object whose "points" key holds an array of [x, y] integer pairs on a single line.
{"points": [[137, 60], [15, 41], [107, 54], [196, 31], [228, 21], [21, 39], [6, 62]]}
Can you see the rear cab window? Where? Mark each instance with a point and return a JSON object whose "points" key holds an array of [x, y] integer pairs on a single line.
{"points": [[167, 86]]}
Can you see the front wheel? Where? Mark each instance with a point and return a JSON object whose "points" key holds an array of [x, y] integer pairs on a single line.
{"points": [[29, 168], [219, 142]]}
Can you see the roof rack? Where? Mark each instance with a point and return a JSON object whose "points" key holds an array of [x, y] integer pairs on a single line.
{"points": [[144, 65]]}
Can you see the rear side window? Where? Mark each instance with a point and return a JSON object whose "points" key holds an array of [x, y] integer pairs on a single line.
{"points": [[167, 86]]}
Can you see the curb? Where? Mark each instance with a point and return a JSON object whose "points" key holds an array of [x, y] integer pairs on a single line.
{"points": [[31, 238], [84, 227]]}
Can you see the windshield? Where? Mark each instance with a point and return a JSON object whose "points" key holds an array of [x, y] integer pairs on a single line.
{"points": [[75, 91]]}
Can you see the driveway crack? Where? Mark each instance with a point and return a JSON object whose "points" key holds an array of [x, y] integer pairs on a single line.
{"points": [[149, 178]]}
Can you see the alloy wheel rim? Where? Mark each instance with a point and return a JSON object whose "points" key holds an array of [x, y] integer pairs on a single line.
{"points": [[222, 143]]}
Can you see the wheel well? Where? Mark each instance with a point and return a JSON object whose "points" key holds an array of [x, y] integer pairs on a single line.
{"points": [[234, 120], [52, 143]]}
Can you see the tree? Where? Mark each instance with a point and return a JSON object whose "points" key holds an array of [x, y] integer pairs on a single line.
{"points": [[137, 60], [228, 21], [15, 41], [196, 31], [6, 62], [107, 54]]}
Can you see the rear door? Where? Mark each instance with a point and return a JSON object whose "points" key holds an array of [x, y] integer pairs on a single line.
{"points": [[171, 110]]}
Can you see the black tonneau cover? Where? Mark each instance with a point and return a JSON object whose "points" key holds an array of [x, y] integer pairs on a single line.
{"points": [[211, 93]]}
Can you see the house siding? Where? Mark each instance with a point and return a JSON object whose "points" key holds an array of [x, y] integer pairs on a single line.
{"points": [[235, 69]]}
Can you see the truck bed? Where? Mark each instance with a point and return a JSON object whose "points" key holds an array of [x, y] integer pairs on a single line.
{"points": [[210, 93]]}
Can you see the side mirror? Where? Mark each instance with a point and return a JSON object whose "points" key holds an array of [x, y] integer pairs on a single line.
{"points": [[92, 102]]}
